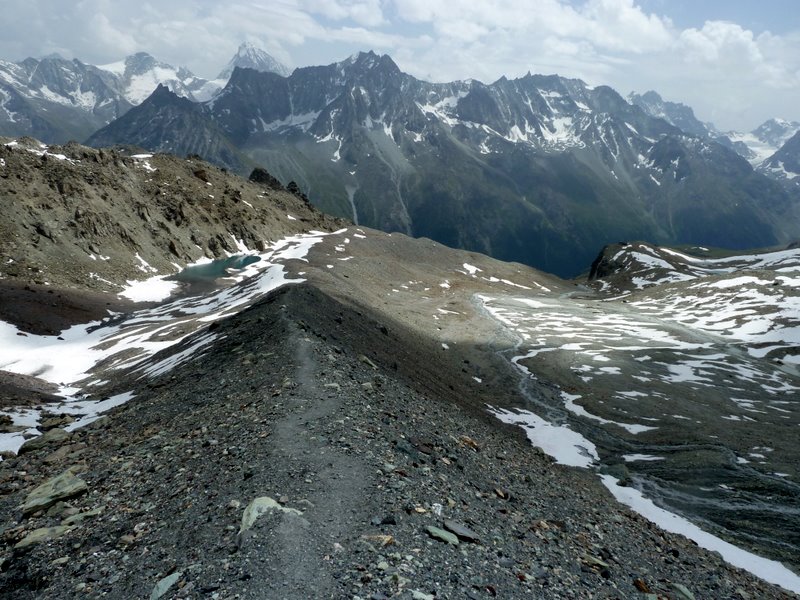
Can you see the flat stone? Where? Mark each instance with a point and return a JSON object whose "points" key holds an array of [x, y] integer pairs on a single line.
{"points": [[462, 531], [442, 535], [162, 587], [80, 517], [682, 591], [53, 422], [43, 534], [65, 486], [594, 561], [54, 436], [258, 507]]}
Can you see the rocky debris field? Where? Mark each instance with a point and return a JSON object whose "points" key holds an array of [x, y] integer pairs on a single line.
{"points": [[320, 450]]}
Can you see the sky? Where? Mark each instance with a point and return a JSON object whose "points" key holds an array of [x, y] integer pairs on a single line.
{"points": [[735, 62]]}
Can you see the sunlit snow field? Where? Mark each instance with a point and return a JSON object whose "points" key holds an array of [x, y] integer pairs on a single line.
{"points": [[688, 377]]}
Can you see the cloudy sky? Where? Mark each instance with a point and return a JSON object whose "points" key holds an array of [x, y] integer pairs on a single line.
{"points": [[736, 62]]}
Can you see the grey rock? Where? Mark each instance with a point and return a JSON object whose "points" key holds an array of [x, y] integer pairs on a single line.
{"points": [[682, 591], [463, 532], [43, 534], [258, 507], [54, 436], [442, 535], [162, 587], [66, 485], [80, 517], [364, 359]]}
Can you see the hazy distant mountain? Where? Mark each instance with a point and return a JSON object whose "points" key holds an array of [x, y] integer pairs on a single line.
{"points": [[541, 169], [756, 146], [250, 57], [140, 74], [674, 113], [784, 165], [766, 139], [57, 100]]}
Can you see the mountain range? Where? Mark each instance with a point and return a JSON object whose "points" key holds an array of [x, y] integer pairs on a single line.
{"points": [[59, 100], [541, 170], [757, 146]]}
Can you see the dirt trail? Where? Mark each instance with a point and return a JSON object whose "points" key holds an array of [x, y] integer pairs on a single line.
{"points": [[332, 483]]}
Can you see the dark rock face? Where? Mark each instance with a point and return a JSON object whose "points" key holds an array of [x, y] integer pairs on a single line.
{"points": [[262, 176], [294, 189], [192, 132], [605, 265]]}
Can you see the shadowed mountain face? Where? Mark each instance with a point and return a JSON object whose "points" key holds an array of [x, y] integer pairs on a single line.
{"points": [[542, 170]]}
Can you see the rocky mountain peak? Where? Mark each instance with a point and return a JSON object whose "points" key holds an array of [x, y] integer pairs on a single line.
{"points": [[139, 63], [674, 113], [163, 94], [250, 56], [366, 61], [776, 132]]}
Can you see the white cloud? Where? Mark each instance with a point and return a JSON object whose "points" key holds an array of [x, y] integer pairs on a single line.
{"points": [[363, 12]]}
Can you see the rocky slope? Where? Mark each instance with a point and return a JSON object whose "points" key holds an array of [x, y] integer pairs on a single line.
{"points": [[368, 471], [369, 440], [114, 215]]}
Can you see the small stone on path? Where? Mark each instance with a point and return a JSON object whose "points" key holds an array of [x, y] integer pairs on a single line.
{"points": [[442, 535], [463, 532], [43, 534]]}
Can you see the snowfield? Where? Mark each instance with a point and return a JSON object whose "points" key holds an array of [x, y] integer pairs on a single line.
{"points": [[69, 360]]}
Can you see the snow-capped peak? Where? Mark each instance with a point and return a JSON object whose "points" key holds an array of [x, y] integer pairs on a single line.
{"points": [[251, 57]]}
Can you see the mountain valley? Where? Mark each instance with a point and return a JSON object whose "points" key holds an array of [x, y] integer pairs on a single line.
{"points": [[541, 170], [242, 396]]}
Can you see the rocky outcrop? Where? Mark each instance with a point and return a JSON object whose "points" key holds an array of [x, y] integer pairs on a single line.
{"points": [[263, 177]]}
